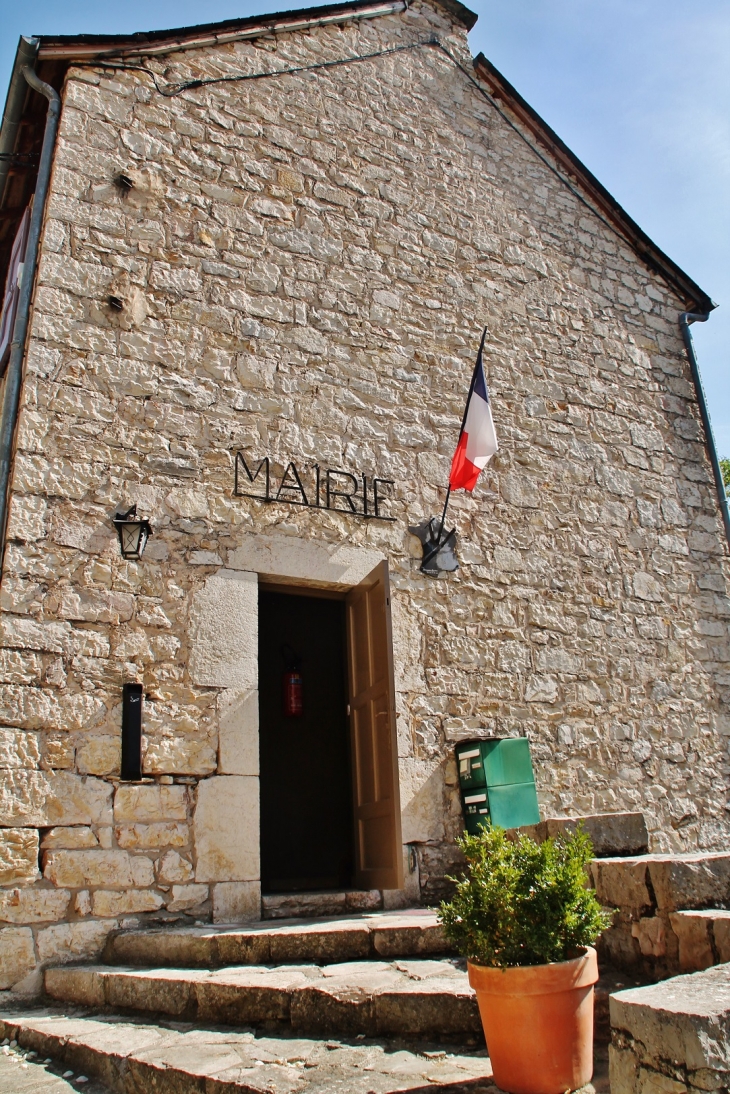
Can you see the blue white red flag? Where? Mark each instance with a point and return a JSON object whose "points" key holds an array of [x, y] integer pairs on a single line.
{"points": [[477, 440]]}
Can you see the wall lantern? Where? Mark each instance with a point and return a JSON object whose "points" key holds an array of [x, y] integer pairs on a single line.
{"points": [[133, 533]]}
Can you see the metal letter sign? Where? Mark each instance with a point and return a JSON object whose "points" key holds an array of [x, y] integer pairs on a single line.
{"points": [[321, 488]]}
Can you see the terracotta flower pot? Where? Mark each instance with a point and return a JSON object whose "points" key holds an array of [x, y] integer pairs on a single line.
{"points": [[538, 1022]]}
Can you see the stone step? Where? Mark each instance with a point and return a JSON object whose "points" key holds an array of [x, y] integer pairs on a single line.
{"points": [[646, 891], [671, 1038], [130, 1057], [329, 903], [407, 998], [703, 937], [611, 834], [321, 942]]}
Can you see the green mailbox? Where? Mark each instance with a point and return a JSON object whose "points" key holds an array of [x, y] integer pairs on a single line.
{"points": [[497, 783]]}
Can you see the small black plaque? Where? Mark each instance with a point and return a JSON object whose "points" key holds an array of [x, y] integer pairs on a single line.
{"points": [[132, 732]]}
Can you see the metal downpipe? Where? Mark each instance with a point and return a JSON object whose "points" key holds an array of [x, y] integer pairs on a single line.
{"points": [[14, 374], [685, 319], [26, 55]]}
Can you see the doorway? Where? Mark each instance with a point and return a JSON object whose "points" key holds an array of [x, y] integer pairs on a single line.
{"points": [[305, 764]]}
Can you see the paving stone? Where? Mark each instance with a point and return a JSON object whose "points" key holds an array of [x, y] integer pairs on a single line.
{"points": [[134, 1057], [430, 998], [22, 1075], [381, 934]]}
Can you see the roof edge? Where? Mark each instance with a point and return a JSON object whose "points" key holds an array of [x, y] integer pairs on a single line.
{"points": [[688, 290], [229, 30]]}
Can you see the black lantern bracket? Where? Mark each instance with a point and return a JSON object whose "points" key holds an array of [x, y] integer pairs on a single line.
{"points": [[439, 547], [133, 532]]}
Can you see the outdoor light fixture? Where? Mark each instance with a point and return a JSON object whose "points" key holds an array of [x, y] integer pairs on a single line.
{"points": [[133, 533]]}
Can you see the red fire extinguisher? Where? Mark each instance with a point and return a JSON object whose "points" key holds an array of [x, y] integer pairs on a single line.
{"points": [[292, 685]]}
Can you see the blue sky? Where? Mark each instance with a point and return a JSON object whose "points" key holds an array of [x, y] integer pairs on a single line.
{"points": [[639, 89]]}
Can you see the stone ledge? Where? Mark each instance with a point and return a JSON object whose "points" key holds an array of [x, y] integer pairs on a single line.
{"points": [[672, 1037], [412, 998], [134, 1056], [379, 935], [610, 833]]}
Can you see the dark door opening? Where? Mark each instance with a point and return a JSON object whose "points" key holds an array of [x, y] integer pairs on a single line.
{"points": [[306, 795]]}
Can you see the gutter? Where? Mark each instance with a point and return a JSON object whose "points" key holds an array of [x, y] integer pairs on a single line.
{"points": [[26, 55], [685, 319], [177, 42], [14, 374]]}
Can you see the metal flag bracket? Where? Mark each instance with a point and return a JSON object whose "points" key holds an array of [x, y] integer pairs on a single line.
{"points": [[439, 550]]}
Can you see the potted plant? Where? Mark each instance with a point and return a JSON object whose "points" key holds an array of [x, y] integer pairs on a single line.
{"points": [[525, 918]]}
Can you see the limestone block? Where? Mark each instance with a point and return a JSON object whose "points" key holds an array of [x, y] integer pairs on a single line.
{"points": [[721, 932], [33, 905], [149, 804], [19, 748], [115, 869], [96, 606], [621, 882], [27, 518], [106, 903], [694, 935], [422, 799], [185, 897], [690, 881], [624, 1069], [20, 667], [182, 754], [66, 942], [18, 856], [238, 735], [334, 564], [82, 902], [86, 986], [236, 902], [681, 1020], [69, 839], [57, 751], [224, 631], [17, 955], [49, 798], [610, 833], [173, 868], [226, 829], [99, 755], [28, 634], [149, 836], [650, 932]]}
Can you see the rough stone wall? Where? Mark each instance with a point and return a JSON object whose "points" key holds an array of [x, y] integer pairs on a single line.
{"points": [[306, 264]]}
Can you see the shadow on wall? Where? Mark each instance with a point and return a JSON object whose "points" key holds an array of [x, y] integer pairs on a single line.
{"points": [[431, 813]]}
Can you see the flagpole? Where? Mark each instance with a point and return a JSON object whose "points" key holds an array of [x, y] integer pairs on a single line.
{"points": [[435, 550], [443, 515]]}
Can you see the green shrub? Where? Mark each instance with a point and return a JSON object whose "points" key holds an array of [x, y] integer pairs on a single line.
{"points": [[725, 468], [523, 903]]}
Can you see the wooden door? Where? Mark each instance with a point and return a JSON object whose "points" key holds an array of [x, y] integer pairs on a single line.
{"points": [[376, 800]]}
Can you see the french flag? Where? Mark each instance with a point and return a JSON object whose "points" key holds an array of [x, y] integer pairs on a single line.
{"points": [[477, 440]]}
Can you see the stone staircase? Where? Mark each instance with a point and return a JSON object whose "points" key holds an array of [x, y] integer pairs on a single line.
{"points": [[373, 1003], [374, 975]]}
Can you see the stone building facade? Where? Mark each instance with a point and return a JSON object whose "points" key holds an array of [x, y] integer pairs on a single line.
{"points": [[299, 268]]}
